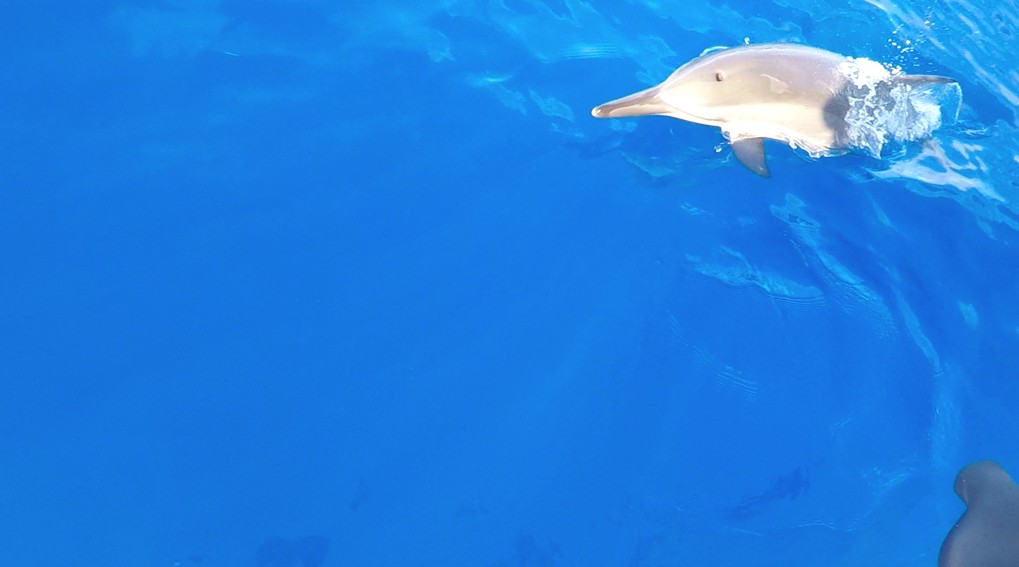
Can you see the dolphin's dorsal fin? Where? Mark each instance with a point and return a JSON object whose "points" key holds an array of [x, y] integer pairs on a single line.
{"points": [[750, 152]]}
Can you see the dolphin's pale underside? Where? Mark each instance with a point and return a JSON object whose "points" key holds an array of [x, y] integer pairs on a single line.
{"points": [[795, 94], [987, 534]]}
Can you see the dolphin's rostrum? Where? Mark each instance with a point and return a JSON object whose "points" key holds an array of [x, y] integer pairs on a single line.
{"points": [[809, 98], [987, 534]]}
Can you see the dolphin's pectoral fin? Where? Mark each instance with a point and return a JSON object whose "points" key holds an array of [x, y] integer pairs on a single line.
{"points": [[750, 152]]}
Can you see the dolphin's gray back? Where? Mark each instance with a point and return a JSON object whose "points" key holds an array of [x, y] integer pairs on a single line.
{"points": [[810, 73]]}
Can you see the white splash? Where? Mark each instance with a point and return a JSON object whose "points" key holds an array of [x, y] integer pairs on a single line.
{"points": [[882, 107]]}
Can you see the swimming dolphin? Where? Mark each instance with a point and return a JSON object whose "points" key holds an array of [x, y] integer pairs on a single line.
{"points": [[987, 534], [795, 94]]}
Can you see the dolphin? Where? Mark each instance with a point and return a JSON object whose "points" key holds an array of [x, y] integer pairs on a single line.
{"points": [[803, 96], [987, 534]]}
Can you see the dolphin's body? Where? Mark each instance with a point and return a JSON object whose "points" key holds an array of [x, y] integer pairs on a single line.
{"points": [[795, 94], [987, 534]]}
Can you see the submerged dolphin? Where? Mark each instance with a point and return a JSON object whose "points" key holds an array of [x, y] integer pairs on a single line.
{"points": [[803, 96], [987, 534]]}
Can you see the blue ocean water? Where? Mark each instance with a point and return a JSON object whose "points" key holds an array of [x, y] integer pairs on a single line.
{"points": [[295, 283]]}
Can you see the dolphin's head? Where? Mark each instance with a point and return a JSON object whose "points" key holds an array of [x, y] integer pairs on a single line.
{"points": [[709, 88], [979, 478], [694, 92], [701, 89], [738, 84], [987, 534]]}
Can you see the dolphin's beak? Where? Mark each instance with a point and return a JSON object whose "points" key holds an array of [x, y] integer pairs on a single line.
{"points": [[643, 103]]}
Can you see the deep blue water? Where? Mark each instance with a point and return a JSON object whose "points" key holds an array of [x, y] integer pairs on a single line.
{"points": [[296, 283]]}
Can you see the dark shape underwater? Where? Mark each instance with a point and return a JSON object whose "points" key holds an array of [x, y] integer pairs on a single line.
{"points": [[987, 534], [789, 486]]}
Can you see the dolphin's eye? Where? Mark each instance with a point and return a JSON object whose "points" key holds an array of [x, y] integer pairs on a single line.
{"points": [[719, 76]]}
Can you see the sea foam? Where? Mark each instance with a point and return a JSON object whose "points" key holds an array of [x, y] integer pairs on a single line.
{"points": [[882, 107]]}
